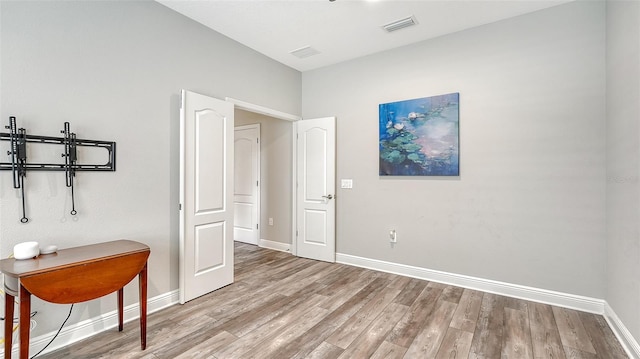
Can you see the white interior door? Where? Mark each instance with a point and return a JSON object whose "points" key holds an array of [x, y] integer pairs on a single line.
{"points": [[206, 194], [316, 205], [246, 197]]}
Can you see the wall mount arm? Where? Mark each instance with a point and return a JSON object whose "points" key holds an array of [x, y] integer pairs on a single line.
{"points": [[70, 158], [18, 154]]}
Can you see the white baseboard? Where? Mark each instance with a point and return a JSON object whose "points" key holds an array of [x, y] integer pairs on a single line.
{"points": [[93, 326], [89, 327], [585, 304], [278, 246], [625, 338]]}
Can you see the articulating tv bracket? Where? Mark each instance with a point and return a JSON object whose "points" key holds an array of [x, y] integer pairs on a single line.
{"points": [[19, 165]]}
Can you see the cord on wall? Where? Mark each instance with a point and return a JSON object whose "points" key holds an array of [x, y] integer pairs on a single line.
{"points": [[58, 332]]}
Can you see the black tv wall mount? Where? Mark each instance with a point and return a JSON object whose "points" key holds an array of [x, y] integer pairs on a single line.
{"points": [[19, 165]]}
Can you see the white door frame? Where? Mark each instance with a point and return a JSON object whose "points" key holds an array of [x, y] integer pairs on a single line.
{"points": [[287, 117]]}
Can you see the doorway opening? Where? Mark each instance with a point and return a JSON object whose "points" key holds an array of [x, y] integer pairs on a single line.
{"points": [[297, 181], [269, 214]]}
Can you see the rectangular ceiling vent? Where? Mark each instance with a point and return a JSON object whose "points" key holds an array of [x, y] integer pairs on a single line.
{"points": [[303, 52], [400, 24]]}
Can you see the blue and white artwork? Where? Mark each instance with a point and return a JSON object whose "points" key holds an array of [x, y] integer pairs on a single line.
{"points": [[420, 137]]}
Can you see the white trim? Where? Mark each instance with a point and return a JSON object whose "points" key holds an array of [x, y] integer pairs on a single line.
{"points": [[93, 326], [182, 212], [621, 332], [278, 246], [294, 189], [242, 105], [585, 304], [87, 328], [262, 110]]}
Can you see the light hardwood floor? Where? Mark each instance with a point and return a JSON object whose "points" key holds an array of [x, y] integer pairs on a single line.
{"points": [[281, 306]]}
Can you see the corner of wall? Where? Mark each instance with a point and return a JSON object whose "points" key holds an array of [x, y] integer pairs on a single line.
{"points": [[621, 332]]}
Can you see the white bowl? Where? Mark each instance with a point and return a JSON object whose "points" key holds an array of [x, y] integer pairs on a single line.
{"points": [[26, 250]]}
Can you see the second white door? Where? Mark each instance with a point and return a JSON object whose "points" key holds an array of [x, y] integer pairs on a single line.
{"points": [[316, 188], [246, 197]]}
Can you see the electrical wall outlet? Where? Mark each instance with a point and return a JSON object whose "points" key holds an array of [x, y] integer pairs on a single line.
{"points": [[393, 238]]}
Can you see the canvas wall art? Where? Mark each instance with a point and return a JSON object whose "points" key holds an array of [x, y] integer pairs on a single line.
{"points": [[420, 137]]}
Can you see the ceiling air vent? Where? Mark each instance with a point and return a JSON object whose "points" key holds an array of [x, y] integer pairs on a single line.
{"points": [[400, 24], [303, 52]]}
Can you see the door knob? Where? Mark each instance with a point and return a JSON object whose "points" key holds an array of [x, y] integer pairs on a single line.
{"points": [[328, 196]]}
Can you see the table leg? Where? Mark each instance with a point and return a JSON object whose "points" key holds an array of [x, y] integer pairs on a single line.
{"points": [[8, 324], [120, 305], [142, 280], [25, 321]]}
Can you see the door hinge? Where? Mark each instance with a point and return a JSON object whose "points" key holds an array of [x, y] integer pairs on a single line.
{"points": [[256, 226], [179, 206], [257, 140], [296, 232], [257, 184]]}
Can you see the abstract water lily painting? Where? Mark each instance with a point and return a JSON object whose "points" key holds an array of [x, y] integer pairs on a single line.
{"points": [[420, 137]]}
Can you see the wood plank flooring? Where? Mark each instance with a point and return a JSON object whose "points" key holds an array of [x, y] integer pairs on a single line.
{"points": [[281, 306]]}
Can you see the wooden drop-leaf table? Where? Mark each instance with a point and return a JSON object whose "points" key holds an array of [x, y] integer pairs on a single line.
{"points": [[75, 275]]}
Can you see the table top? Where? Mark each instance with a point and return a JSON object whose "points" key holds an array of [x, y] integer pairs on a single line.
{"points": [[70, 257]]}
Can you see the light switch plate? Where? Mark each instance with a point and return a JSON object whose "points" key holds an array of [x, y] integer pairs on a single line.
{"points": [[346, 183]]}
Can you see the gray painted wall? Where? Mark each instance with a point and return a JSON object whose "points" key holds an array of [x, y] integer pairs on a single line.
{"points": [[114, 70], [529, 205], [623, 156], [275, 174]]}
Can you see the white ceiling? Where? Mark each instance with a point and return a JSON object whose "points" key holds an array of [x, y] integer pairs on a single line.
{"points": [[343, 29]]}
